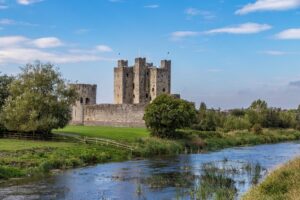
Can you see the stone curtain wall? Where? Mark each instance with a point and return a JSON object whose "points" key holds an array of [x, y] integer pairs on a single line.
{"points": [[122, 115]]}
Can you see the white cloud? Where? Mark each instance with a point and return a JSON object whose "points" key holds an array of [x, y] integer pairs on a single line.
{"points": [[104, 48], [28, 2], [289, 34], [24, 55], [20, 49], [268, 5], [12, 41], [152, 6], [183, 34], [190, 12], [47, 42], [247, 28]]}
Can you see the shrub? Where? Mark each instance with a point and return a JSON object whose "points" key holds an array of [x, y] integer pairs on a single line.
{"points": [[257, 129]]}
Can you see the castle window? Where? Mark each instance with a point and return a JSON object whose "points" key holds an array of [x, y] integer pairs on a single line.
{"points": [[127, 74], [147, 95], [152, 89], [133, 96], [147, 73], [81, 100], [87, 101], [164, 89], [150, 99], [133, 85]]}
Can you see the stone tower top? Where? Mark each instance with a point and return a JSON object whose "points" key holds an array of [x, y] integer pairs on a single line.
{"points": [[142, 82]]}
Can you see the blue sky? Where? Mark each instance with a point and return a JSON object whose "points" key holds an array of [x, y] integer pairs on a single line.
{"points": [[226, 53]]}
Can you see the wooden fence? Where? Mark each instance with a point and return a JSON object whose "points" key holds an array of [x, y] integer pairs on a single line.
{"points": [[68, 138]]}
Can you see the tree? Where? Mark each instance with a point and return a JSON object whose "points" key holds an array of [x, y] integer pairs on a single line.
{"points": [[166, 114], [4, 93], [257, 112], [39, 100]]}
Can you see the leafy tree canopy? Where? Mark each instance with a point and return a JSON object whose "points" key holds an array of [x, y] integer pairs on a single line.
{"points": [[39, 100], [166, 114]]}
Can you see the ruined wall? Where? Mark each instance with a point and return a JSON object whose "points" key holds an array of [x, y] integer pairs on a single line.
{"points": [[86, 96], [122, 115]]}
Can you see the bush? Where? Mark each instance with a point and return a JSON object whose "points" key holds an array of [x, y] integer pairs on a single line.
{"points": [[257, 129]]}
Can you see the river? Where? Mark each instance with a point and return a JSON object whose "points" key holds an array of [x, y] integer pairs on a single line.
{"points": [[228, 173]]}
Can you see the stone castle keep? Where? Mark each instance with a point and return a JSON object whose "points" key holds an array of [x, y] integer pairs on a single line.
{"points": [[134, 87]]}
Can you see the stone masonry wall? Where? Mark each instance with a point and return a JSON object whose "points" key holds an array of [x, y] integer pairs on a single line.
{"points": [[122, 115]]}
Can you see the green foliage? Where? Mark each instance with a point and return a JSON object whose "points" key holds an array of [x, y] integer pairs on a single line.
{"points": [[31, 158], [257, 129], [241, 119], [4, 93], [149, 147], [236, 123], [39, 100], [283, 183], [166, 114]]}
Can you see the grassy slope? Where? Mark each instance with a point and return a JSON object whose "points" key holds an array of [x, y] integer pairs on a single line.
{"points": [[283, 183], [119, 134], [22, 157]]}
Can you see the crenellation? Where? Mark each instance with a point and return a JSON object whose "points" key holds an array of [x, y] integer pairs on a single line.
{"points": [[143, 81]]}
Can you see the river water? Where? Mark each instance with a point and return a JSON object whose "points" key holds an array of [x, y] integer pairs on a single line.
{"points": [[228, 173]]}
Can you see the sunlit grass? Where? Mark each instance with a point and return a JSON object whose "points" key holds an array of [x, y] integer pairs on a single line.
{"points": [[115, 133], [282, 183]]}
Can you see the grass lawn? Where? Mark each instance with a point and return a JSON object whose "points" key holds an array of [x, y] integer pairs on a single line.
{"points": [[17, 145], [20, 158], [119, 134], [282, 183]]}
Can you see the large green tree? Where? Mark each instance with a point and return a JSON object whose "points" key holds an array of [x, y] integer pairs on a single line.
{"points": [[4, 93], [166, 114], [39, 100]]}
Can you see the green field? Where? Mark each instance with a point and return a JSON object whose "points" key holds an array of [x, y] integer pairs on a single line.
{"points": [[18, 145], [283, 183], [119, 134], [19, 158]]}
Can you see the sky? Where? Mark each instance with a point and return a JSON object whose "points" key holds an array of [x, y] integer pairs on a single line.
{"points": [[225, 53]]}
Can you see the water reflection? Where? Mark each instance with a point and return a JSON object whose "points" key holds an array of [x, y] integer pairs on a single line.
{"points": [[218, 175]]}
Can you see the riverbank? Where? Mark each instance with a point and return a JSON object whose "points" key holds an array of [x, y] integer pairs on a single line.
{"points": [[283, 183], [23, 158]]}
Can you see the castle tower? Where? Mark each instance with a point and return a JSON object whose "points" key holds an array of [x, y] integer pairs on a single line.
{"points": [[141, 83], [86, 96], [140, 69], [123, 83], [160, 79]]}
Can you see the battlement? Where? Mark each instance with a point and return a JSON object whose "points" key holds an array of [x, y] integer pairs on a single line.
{"points": [[142, 82]]}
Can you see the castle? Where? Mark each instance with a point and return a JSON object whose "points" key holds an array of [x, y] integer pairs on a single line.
{"points": [[134, 87]]}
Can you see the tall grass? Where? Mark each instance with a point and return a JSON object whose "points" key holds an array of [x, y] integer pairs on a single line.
{"points": [[282, 183]]}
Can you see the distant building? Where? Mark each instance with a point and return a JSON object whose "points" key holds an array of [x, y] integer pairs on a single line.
{"points": [[134, 88]]}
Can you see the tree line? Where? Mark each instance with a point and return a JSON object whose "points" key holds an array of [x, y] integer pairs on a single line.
{"points": [[167, 114]]}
